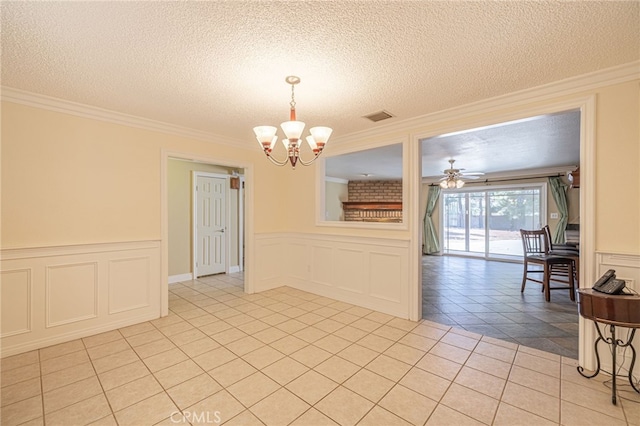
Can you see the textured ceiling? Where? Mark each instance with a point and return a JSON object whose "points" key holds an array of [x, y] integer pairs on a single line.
{"points": [[219, 67], [527, 146]]}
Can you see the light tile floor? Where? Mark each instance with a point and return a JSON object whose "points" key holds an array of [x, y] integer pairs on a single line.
{"points": [[287, 357]]}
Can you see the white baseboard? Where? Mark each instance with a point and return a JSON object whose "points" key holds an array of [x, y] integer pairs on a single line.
{"points": [[234, 269], [76, 334], [181, 277]]}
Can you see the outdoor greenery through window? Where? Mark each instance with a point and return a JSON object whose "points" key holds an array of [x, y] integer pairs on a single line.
{"points": [[487, 222]]}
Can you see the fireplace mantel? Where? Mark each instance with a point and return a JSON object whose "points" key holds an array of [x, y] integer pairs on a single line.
{"points": [[371, 205]]}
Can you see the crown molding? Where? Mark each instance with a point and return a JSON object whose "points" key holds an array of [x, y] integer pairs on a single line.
{"points": [[23, 97], [585, 82], [569, 86]]}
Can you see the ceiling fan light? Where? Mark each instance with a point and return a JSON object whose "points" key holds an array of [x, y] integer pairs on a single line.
{"points": [[459, 183], [443, 184]]}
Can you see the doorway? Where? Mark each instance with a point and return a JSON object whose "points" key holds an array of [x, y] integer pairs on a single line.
{"points": [[455, 289], [205, 227]]}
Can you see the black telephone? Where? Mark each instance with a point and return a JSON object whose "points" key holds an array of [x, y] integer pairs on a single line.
{"points": [[609, 284]]}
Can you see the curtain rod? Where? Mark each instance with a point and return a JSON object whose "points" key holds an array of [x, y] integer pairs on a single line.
{"points": [[502, 180]]}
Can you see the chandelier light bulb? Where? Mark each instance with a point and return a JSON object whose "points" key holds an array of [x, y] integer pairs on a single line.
{"points": [[265, 135], [292, 129]]}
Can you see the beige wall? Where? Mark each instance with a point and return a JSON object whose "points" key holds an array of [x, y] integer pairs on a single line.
{"points": [[618, 160], [70, 180], [180, 212]]}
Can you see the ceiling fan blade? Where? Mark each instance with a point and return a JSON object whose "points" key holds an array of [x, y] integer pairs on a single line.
{"points": [[470, 177], [473, 173]]}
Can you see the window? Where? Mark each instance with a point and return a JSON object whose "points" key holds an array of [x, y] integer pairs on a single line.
{"points": [[487, 222]]}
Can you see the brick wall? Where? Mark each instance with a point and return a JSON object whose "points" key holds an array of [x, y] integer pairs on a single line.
{"points": [[374, 190]]}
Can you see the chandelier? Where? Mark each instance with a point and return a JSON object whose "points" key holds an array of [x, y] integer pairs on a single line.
{"points": [[452, 182], [292, 129]]}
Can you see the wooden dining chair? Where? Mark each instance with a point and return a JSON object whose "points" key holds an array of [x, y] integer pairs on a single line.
{"points": [[536, 246], [567, 250]]}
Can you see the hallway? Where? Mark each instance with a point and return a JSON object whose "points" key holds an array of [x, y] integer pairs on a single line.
{"points": [[484, 297]]}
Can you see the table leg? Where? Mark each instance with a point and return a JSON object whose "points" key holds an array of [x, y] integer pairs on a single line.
{"points": [[621, 344], [615, 344], [595, 346]]}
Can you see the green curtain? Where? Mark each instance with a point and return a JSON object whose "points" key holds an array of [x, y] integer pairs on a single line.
{"points": [[558, 189], [430, 243]]}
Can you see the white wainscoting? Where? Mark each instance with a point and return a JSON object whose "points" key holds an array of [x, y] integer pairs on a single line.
{"points": [[269, 261], [56, 294], [627, 267], [368, 272]]}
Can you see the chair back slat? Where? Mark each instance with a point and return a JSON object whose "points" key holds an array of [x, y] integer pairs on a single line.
{"points": [[534, 242]]}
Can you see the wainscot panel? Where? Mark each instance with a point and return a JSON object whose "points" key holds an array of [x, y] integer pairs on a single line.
{"points": [[52, 295], [270, 259], [368, 272], [16, 302]]}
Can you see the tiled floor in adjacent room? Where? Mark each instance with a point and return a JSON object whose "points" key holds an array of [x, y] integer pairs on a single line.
{"points": [[484, 297], [284, 357]]}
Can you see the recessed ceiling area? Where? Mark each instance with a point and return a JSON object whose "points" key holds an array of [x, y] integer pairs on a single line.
{"points": [[522, 146], [541, 142]]}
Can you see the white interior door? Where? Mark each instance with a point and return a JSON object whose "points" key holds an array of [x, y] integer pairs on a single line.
{"points": [[211, 223]]}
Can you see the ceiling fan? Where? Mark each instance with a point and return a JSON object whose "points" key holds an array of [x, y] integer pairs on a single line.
{"points": [[453, 178]]}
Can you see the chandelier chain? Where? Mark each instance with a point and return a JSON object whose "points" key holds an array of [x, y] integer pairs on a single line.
{"points": [[293, 99]]}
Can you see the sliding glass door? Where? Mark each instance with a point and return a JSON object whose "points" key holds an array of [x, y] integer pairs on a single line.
{"points": [[487, 222]]}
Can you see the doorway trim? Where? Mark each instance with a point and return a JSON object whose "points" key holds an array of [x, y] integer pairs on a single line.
{"points": [[165, 155], [194, 219], [509, 111], [241, 230]]}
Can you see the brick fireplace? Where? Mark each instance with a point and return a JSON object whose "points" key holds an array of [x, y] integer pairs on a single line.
{"points": [[374, 201]]}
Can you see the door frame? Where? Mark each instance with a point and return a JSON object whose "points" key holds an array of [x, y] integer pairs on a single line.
{"points": [[194, 219], [165, 155], [241, 237], [500, 110]]}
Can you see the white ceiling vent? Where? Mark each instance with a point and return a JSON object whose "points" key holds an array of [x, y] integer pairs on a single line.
{"points": [[379, 116]]}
